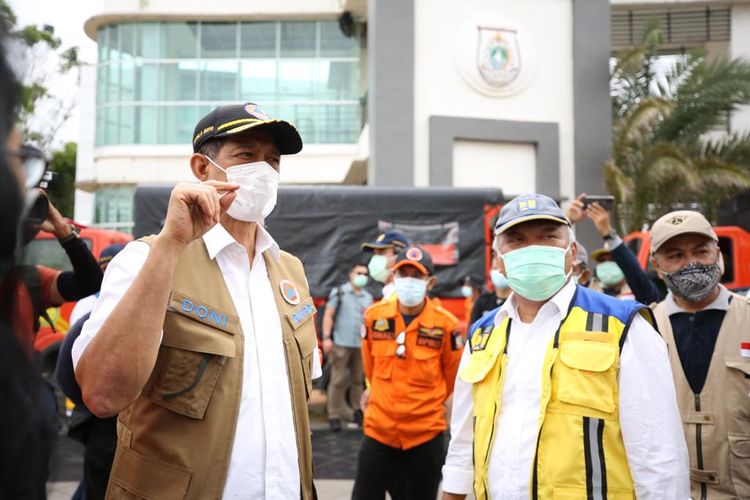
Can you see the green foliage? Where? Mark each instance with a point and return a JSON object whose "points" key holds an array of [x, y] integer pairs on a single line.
{"points": [[43, 62], [64, 163], [663, 154]]}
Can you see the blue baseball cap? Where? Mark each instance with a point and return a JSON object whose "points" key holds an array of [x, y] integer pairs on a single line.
{"points": [[108, 253], [387, 239], [528, 207]]}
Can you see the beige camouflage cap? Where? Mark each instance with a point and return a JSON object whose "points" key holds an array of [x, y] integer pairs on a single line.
{"points": [[680, 222]]}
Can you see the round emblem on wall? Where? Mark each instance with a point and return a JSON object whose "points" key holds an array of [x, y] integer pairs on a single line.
{"points": [[493, 56]]}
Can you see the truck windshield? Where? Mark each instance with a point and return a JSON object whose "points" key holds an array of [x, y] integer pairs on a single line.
{"points": [[48, 252]]}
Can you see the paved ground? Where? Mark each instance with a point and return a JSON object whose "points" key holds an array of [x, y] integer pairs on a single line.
{"points": [[334, 454]]}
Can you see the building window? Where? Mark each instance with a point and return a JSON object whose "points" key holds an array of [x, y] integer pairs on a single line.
{"points": [[156, 79], [114, 208]]}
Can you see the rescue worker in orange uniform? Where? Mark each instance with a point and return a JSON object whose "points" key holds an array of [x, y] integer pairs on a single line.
{"points": [[410, 352]]}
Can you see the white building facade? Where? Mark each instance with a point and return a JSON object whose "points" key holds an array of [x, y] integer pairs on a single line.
{"points": [[478, 93]]}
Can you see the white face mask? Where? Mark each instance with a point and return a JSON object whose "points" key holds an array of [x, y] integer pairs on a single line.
{"points": [[410, 291], [256, 197]]}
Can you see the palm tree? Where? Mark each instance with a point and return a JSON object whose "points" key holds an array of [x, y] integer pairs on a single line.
{"points": [[668, 147]]}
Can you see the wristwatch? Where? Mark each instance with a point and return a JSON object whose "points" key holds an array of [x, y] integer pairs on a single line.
{"points": [[74, 232], [611, 236]]}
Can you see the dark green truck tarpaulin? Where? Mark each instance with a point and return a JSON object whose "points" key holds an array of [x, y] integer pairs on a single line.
{"points": [[325, 225]]}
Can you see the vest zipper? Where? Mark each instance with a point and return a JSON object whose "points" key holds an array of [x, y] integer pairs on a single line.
{"points": [[699, 445]]}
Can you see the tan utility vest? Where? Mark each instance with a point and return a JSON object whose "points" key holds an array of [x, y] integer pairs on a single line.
{"points": [[717, 421], [175, 440]]}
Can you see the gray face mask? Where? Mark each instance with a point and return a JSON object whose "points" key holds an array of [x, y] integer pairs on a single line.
{"points": [[694, 282]]}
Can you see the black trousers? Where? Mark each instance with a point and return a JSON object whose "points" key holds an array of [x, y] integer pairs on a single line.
{"points": [[412, 474]]}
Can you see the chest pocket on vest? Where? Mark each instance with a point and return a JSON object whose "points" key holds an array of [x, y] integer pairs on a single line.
{"points": [[384, 354], [738, 388], [477, 370], [587, 375], [191, 359]]}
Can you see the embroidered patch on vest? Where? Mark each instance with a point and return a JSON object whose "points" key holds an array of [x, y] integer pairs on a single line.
{"points": [[480, 338], [383, 325], [432, 332], [745, 349], [289, 292], [299, 316], [203, 312], [383, 335], [429, 341]]}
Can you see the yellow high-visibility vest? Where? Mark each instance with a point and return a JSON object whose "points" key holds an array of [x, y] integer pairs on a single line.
{"points": [[580, 453]]}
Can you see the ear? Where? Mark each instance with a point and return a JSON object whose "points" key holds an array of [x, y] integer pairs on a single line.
{"points": [[585, 276], [500, 265], [655, 265], [573, 254], [199, 165], [431, 282]]}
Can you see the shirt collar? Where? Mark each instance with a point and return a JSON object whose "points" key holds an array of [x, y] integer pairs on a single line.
{"points": [[218, 238], [560, 301], [721, 302]]}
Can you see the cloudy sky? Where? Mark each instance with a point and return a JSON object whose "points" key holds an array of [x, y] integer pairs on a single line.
{"points": [[68, 19]]}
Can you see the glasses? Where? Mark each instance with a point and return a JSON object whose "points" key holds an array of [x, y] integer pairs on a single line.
{"points": [[33, 163], [401, 343]]}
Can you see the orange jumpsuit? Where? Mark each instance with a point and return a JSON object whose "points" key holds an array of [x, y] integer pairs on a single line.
{"points": [[407, 395]]}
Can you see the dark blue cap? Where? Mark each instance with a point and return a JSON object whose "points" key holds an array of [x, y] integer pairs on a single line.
{"points": [[528, 207], [417, 257], [387, 239], [109, 252]]}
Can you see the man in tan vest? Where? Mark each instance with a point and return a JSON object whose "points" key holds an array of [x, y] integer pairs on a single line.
{"points": [[202, 339], [707, 330]]}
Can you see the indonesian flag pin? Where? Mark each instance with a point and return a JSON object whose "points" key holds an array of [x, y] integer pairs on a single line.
{"points": [[745, 349]]}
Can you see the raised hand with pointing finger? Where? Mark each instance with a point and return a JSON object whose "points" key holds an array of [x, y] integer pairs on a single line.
{"points": [[196, 208]]}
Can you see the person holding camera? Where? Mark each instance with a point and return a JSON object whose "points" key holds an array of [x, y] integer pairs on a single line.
{"points": [[40, 287], [642, 287]]}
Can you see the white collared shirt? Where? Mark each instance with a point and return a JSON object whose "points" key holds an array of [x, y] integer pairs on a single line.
{"points": [[649, 417], [263, 463]]}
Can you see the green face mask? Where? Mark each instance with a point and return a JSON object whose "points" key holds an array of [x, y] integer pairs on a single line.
{"points": [[609, 273], [359, 281], [378, 268], [536, 272]]}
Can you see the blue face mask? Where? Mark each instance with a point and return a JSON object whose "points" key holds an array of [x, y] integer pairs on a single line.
{"points": [[498, 280], [410, 291], [536, 272]]}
